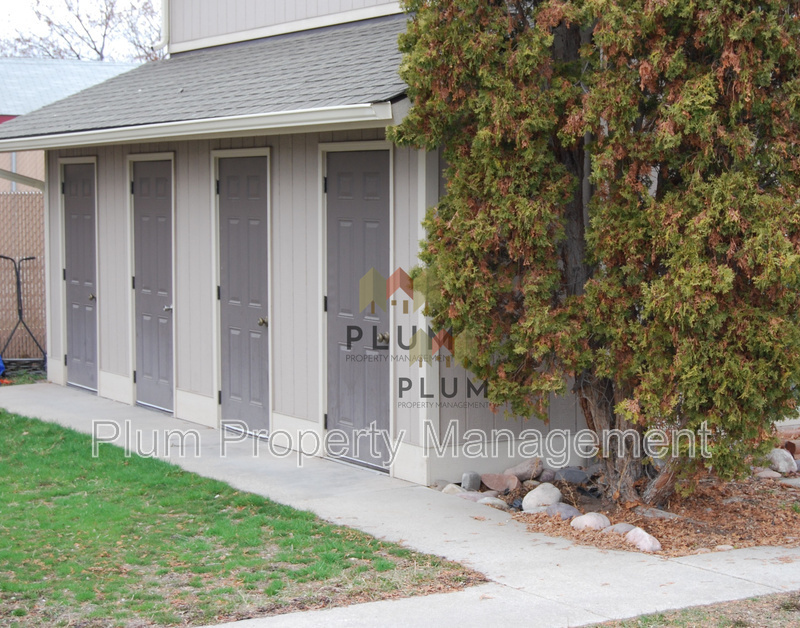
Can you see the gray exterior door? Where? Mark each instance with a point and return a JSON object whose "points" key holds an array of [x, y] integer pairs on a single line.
{"points": [[243, 266], [152, 215], [358, 241], [80, 274]]}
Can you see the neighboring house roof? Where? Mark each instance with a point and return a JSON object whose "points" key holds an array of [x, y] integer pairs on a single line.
{"points": [[29, 84], [340, 66]]}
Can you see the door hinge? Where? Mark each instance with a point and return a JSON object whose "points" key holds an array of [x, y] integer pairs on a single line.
{"points": [[325, 423], [132, 187], [217, 186], [219, 397], [325, 303], [134, 377], [325, 184], [219, 293], [64, 273], [63, 187], [133, 282], [65, 359]]}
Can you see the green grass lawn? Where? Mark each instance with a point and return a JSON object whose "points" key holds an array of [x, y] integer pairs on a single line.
{"points": [[117, 541]]}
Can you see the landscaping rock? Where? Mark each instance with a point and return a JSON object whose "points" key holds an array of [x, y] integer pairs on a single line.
{"points": [[471, 481], [439, 484], [572, 475], [530, 484], [535, 510], [703, 550], [797, 462], [543, 495], [619, 528], [565, 511], [517, 504], [548, 475], [768, 474], [782, 461], [596, 469], [494, 502], [655, 513], [453, 489], [526, 470], [591, 521], [643, 541], [791, 482], [474, 496], [498, 482], [723, 548]]}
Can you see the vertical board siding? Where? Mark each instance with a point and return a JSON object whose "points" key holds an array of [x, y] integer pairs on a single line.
{"points": [[197, 19]]}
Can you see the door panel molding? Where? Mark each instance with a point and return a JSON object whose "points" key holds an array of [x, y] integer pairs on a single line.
{"points": [[326, 149], [76, 379], [141, 395], [220, 338]]}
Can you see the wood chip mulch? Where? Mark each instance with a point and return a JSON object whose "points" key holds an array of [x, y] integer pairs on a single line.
{"points": [[743, 513]]}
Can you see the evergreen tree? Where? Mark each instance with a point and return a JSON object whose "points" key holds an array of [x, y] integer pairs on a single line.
{"points": [[621, 214]]}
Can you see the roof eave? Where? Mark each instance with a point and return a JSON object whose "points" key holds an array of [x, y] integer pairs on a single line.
{"points": [[369, 115]]}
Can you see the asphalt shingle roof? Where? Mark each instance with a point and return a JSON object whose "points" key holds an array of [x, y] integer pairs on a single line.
{"points": [[346, 64], [28, 84]]}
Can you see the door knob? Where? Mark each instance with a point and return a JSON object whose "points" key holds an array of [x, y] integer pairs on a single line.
{"points": [[167, 308], [383, 338], [263, 322], [92, 297]]}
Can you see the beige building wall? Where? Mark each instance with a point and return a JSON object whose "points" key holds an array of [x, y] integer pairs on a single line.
{"points": [[297, 320], [199, 23]]}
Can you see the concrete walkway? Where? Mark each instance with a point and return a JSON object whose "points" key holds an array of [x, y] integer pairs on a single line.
{"points": [[535, 580]]}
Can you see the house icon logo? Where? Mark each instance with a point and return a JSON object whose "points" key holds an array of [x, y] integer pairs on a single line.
{"points": [[374, 290]]}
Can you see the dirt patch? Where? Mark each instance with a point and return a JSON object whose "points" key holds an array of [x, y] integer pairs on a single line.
{"points": [[745, 513], [769, 611]]}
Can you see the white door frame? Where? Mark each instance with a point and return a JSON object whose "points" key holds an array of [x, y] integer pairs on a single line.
{"points": [[216, 155], [340, 147]]}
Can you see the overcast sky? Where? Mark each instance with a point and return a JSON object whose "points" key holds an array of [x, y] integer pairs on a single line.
{"points": [[15, 14]]}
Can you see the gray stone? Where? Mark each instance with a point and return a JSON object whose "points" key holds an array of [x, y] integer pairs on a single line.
{"points": [[723, 548], [526, 470], [768, 474], [643, 541], [782, 461], [655, 513], [572, 475], [494, 502], [548, 475], [453, 489], [530, 484], [797, 463], [543, 495], [565, 511], [471, 481], [619, 528], [596, 469], [703, 550], [795, 482], [439, 484], [590, 521]]}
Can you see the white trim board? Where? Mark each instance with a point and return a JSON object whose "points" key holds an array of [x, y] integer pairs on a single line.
{"points": [[355, 15], [343, 117]]}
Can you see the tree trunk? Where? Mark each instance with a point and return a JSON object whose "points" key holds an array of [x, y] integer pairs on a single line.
{"points": [[621, 454]]}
